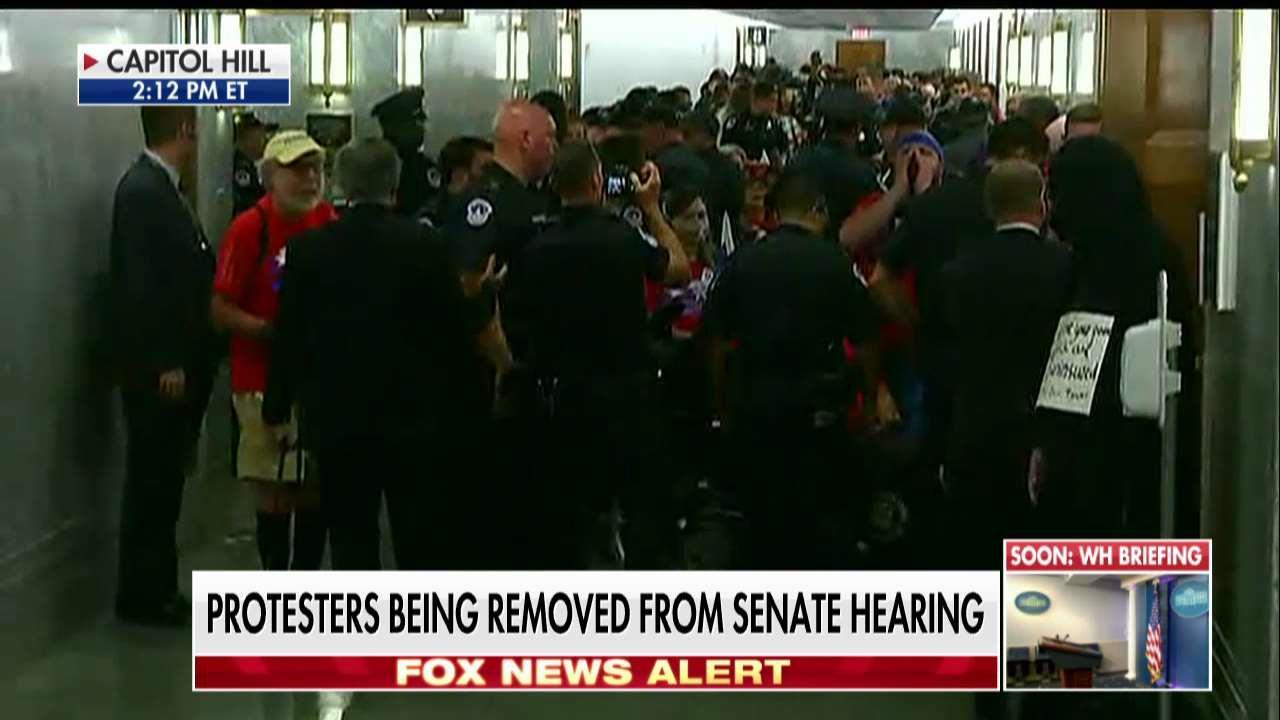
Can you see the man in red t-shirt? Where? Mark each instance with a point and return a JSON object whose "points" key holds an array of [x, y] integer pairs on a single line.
{"points": [[245, 301]]}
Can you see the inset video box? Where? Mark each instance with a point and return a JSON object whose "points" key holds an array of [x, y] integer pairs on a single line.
{"points": [[618, 631], [1108, 615], [214, 75]]}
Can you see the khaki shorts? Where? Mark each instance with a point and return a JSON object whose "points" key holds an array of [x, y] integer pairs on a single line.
{"points": [[258, 457]]}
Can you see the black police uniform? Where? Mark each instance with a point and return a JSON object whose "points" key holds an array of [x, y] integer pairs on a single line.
{"points": [[758, 135], [420, 178], [846, 175], [246, 186], [847, 178], [933, 230], [588, 332], [499, 215], [789, 302]]}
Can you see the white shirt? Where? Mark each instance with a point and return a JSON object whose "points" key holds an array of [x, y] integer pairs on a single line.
{"points": [[1018, 226], [169, 170]]}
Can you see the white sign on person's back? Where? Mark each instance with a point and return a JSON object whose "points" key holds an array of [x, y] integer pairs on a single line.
{"points": [[1071, 376]]}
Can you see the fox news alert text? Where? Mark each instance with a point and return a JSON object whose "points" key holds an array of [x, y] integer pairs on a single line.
{"points": [[596, 631]]}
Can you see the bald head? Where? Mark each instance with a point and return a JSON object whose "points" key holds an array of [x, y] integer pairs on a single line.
{"points": [[524, 139]]}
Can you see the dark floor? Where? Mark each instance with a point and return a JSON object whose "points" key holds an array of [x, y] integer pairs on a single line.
{"points": [[62, 655]]}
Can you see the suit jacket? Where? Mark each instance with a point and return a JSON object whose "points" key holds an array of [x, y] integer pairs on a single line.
{"points": [[1002, 298], [372, 331], [162, 271]]}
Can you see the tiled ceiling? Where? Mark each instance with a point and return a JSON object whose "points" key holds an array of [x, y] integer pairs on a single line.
{"points": [[911, 19]]}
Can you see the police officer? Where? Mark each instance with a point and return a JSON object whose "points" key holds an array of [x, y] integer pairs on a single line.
{"points": [[588, 334], [759, 132], [403, 120], [493, 221], [788, 304], [251, 139], [845, 176]]}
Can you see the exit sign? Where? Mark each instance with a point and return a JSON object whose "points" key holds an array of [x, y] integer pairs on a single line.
{"points": [[860, 33]]}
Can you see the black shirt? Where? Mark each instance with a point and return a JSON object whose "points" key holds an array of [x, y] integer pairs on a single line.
{"points": [[246, 185], [372, 328], [934, 228], [583, 285], [499, 215], [681, 167], [1001, 302], [789, 301], [847, 178], [725, 195], [758, 136], [419, 185]]}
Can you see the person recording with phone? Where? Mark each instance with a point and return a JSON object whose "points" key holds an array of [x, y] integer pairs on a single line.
{"points": [[583, 281]]}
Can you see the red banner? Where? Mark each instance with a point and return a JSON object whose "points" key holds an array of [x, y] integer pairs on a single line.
{"points": [[596, 673], [1107, 556]]}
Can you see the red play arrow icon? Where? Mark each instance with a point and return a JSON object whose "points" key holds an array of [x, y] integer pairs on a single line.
{"points": [[89, 61]]}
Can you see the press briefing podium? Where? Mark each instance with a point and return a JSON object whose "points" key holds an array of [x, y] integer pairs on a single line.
{"points": [[1076, 662]]}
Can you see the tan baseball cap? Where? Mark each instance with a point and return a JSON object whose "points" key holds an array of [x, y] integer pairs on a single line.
{"points": [[287, 146]]}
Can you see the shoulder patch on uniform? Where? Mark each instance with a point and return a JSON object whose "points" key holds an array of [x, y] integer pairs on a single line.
{"points": [[478, 212], [242, 177], [633, 217], [857, 273], [433, 178]]}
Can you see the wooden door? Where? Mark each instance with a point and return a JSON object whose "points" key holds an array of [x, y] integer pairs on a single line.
{"points": [[1155, 100], [853, 55]]}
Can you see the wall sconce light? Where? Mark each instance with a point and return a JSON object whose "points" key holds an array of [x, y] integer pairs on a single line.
{"points": [[411, 42], [1254, 78], [566, 55], [6, 60], [230, 27], [330, 66], [511, 51], [1061, 60], [1084, 64], [1026, 76]]}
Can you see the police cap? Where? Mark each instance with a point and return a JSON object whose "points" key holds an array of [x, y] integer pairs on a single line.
{"points": [[973, 110], [404, 105], [248, 121], [904, 110], [844, 105], [661, 112], [701, 120]]}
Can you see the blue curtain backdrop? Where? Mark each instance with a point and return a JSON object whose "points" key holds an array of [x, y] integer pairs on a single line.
{"points": [[1186, 640], [1188, 665]]}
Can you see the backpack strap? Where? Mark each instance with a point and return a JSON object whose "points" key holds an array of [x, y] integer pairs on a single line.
{"points": [[264, 235]]}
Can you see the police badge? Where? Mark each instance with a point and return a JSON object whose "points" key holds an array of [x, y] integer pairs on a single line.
{"points": [[478, 212], [632, 215]]}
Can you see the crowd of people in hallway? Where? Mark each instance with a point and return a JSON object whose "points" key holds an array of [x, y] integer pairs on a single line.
{"points": [[818, 304]]}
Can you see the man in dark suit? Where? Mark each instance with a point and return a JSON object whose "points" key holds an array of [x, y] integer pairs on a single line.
{"points": [[161, 273], [933, 228], [1001, 299], [372, 330]]}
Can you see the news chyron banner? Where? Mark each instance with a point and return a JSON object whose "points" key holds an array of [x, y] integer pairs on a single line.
{"points": [[595, 631], [214, 75], [1118, 615]]}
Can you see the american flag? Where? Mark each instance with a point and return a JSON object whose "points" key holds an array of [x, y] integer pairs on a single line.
{"points": [[1155, 657]]}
